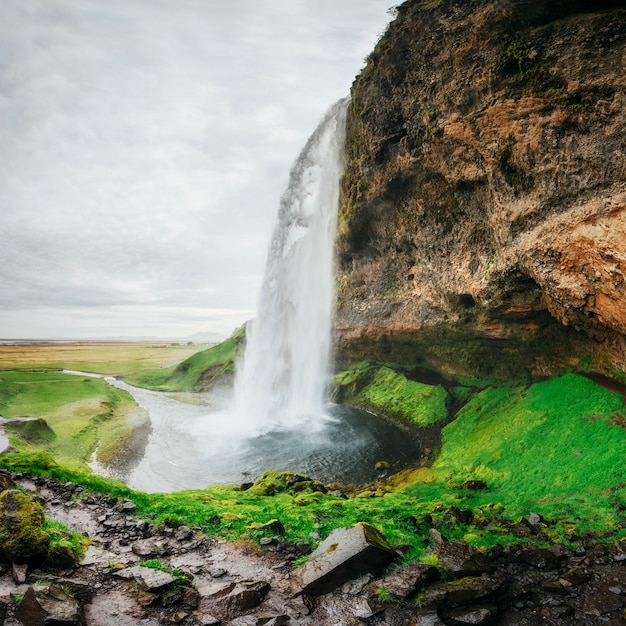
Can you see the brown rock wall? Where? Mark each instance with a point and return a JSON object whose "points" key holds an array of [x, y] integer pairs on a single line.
{"points": [[485, 174]]}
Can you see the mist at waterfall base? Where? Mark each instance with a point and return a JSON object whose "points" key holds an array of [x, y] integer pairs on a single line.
{"points": [[277, 416]]}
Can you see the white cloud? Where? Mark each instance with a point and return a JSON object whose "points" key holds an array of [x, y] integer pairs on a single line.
{"points": [[145, 145]]}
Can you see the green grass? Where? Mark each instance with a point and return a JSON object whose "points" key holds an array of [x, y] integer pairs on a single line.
{"points": [[197, 373], [81, 412]]}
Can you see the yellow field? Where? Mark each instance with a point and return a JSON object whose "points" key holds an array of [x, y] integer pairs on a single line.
{"points": [[98, 357]]}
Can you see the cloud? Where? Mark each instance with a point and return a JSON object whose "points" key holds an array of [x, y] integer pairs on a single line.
{"points": [[146, 144]]}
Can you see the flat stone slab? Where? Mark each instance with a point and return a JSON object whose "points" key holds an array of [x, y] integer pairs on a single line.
{"points": [[345, 554], [147, 578]]}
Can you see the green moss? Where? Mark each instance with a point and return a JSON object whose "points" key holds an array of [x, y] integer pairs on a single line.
{"points": [[62, 539], [553, 447], [388, 393], [22, 537]]}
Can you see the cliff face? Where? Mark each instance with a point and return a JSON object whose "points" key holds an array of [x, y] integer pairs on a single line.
{"points": [[484, 196]]}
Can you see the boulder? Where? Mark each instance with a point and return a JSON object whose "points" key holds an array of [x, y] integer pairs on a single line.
{"points": [[148, 548], [228, 600], [49, 604], [345, 554], [460, 559], [22, 538], [409, 580]]}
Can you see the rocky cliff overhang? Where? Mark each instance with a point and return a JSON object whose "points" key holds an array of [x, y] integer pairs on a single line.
{"points": [[485, 185]]}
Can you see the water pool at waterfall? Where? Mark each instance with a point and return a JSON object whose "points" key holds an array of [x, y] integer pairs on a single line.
{"points": [[192, 447]]}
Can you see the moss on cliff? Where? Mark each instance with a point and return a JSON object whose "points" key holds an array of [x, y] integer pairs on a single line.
{"points": [[388, 393]]}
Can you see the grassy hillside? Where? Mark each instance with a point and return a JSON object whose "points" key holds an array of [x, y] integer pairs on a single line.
{"points": [[197, 373]]}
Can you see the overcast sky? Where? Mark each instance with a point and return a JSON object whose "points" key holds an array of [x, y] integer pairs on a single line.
{"points": [[144, 146]]}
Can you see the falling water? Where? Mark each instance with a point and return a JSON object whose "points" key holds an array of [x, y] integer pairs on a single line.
{"points": [[283, 378]]}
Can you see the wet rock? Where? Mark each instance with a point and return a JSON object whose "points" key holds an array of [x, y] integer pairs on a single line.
{"points": [[539, 558], [18, 572], [184, 533], [232, 599], [261, 620], [146, 598], [191, 598], [426, 618], [61, 556], [148, 548], [486, 614], [463, 516], [128, 507], [460, 559], [409, 580], [217, 572], [475, 485], [49, 604], [147, 578], [171, 597], [173, 617], [98, 557], [345, 554], [355, 587]]}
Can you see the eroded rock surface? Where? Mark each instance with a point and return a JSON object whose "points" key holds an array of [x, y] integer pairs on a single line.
{"points": [[485, 187], [242, 585]]}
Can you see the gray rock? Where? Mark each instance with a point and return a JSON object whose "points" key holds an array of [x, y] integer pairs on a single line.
{"points": [[183, 533], [477, 615], [128, 506], [426, 618], [229, 600], [409, 580], [345, 554], [148, 547], [147, 578], [49, 604], [18, 572]]}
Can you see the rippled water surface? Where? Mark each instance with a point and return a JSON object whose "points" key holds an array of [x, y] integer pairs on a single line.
{"points": [[192, 447]]}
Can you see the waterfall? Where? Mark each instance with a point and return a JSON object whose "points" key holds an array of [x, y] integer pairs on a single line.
{"points": [[283, 378]]}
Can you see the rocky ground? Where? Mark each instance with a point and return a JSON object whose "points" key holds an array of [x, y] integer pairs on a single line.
{"points": [[204, 581]]}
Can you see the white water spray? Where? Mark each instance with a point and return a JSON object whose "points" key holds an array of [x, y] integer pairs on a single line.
{"points": [[283, 378]]}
